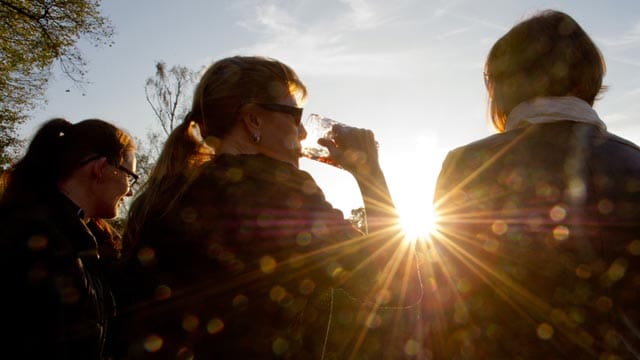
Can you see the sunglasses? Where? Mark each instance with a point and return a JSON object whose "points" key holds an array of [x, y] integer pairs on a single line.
{"points": [[295, 112], [131, 176]]}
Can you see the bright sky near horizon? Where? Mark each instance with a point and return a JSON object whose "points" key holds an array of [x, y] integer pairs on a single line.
{"points": [[410, 70]]}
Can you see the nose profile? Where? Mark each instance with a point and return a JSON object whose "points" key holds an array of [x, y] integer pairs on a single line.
{"points": [[302, 132]]}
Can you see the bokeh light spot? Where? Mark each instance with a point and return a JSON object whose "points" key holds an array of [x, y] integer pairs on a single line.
{"points": [[617, 269], [152, 343], [215, 325], [411, 347], [277, 293], [605, 206], [185, 354], [162, 292], [146, 255], [544, 331], [634, 247], [234, 174], [334, 269], [561, 232], [303, 238], [37, 243], [307, 286], [190, 323], [280, 346], [499, 227], [319, 229], [583, 271], [604, 303], [558, 213], [294, 201], [267, 264], [240, 302]]}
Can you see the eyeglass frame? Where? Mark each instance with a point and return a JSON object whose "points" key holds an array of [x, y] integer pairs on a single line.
{"points": [[295, 112], [130, 174]]}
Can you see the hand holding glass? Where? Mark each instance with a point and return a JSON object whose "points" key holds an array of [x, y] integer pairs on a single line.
{"points": [[324, 131]]}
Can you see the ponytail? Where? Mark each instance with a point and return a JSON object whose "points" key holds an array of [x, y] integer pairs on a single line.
{"points": [[182, 155], [39, 170], [55, 152]]}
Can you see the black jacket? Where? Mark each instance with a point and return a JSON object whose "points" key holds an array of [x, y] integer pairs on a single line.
{"points": [[244, 267], [59, 305], [539, 246]]}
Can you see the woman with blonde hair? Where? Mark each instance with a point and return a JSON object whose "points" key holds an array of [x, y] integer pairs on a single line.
{"points": [[235, 253]]}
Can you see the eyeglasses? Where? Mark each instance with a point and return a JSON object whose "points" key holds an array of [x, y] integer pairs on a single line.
{"points": [[132, 177], [295, 112]]}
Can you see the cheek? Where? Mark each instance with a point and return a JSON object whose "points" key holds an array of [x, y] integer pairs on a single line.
{"points": [[291, 142], [120, 189]]}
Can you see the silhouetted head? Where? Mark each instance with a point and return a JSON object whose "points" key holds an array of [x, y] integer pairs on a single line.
{"points": [[548, 54], [60, 150]]}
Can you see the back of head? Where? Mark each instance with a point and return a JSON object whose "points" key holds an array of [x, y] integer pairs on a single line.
{"points": [[223, 89], [55, 152], [548, 54]]}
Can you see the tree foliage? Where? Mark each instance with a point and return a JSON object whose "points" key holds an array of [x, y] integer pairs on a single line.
{"points": [[168, 94], [35, 35], [359, 219]]}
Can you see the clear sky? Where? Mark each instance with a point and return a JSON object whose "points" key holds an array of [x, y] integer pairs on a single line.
{"points": [[410, 70]]}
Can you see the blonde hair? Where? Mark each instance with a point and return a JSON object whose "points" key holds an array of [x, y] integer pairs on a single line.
{"points": [[223, 89]]}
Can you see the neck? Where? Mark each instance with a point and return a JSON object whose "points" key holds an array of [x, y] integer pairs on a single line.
{"points": [[237, 143], [78, 194]]}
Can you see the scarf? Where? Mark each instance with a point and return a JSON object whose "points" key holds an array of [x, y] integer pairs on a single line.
{"points": [[551, 109]]}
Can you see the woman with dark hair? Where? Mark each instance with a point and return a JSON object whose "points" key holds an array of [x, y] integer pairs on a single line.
{"points": [[51, 209], [236, 254], [539, 235]]}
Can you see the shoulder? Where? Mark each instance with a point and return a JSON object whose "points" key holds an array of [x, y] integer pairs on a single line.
{"points": [[477, 153], [50, 223], [622, 142]]}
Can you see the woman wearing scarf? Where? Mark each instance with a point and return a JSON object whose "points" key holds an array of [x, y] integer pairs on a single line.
{"points": [[540, 224]]}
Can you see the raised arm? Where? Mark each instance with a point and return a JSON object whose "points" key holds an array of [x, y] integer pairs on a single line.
{"points": [[356, 151]]}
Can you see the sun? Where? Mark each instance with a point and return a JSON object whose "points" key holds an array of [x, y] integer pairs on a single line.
{"points": [[417, 221]]}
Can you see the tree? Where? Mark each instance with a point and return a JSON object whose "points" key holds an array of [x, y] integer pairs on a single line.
{"points": [[359, 219], [168, 94], [35, 35]]}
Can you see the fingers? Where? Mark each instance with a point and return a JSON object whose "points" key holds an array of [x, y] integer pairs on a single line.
{"points": [[354, 138], [353, 149]]}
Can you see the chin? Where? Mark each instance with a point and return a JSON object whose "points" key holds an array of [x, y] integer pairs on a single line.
{"points": [[108, 213]]}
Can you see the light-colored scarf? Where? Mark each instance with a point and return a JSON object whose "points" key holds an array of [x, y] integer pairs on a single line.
{"points": [[552, 109]]}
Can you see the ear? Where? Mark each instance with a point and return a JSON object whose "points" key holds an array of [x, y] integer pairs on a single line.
{"points": [[251, 119], [99, 168]]}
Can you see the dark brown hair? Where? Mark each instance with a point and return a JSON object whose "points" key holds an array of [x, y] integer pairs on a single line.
{"points": [[56, 151], [548, 54]]}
